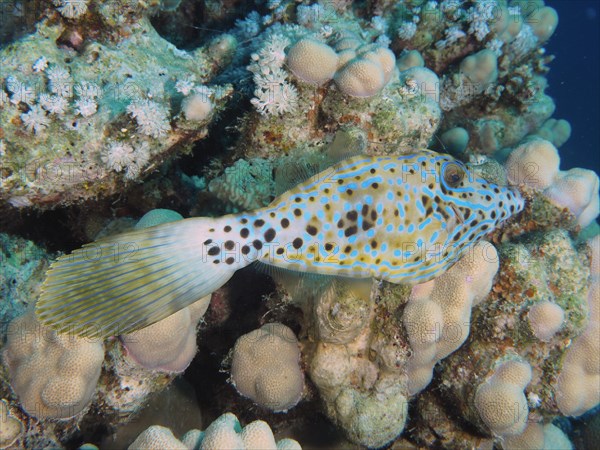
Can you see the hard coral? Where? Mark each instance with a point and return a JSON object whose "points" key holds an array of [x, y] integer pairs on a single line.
{"points": [[265, 367], [312, 61], [438, 311], [501, 401], [53, 374], [169, 345]]}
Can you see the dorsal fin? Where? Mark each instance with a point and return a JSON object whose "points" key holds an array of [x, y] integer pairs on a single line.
{"points": [[300, 166], [346, 144]]}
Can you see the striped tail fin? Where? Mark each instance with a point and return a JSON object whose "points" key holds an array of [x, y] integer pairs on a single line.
{"points": [[126, 282]]}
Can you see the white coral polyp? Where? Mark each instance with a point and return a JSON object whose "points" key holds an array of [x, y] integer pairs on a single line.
{"points": [[86, 106], [152, 118], [71, 9], [54, 104], [35, 120], [276, 99], [118, 156]]}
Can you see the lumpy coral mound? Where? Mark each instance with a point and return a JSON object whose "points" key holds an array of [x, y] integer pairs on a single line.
{"points": [[54, 375], [265, 367]]}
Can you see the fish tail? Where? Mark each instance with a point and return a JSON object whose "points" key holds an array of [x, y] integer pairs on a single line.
{"points": [[126, 282]]}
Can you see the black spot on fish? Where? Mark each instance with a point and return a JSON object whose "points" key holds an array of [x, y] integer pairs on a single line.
{"points": [[297, 243], [373, 215], [366, 225], [365, 210], [347, 249], [208, 241], [257, 244], [340, 223], [327, 206], [493, 214], [352, 215], [259, 223], [374, 243], [372, 170], [245, 249], [488, 198], [279, 251], [227, 229], [229, 245], [244, 221], [216, 261], [350, 230], [311, 230], [269, 235], [285, 223], [272, 214], [213, 251], [349, 191], [244, 232], [230, 260], [375, 185], [297, 212], [340, 181], [329, 246]]}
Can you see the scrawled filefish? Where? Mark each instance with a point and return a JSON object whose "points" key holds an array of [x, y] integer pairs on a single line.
{"points": [[404, 219]]}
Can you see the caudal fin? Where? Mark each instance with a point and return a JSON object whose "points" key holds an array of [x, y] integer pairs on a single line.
{"points": [[129, 281]]}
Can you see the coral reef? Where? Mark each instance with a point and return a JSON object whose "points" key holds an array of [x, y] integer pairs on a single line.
{"points": [[219, 106]]}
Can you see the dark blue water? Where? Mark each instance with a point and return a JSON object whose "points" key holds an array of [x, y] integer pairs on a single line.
{"points": [[574, 79]]}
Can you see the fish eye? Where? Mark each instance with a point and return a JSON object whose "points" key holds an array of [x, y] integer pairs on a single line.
{"points": [[453, 174]]}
